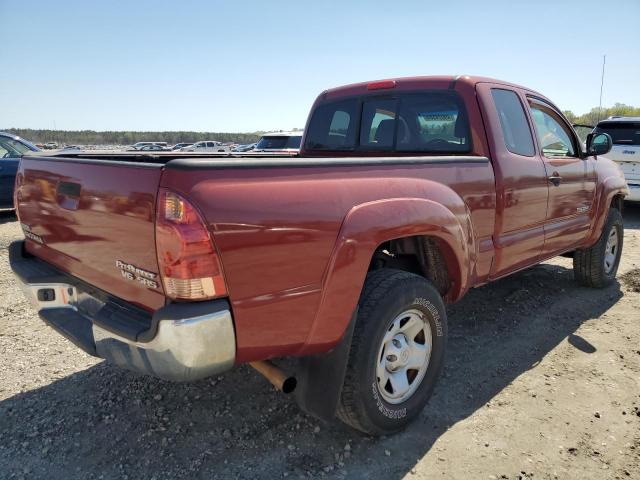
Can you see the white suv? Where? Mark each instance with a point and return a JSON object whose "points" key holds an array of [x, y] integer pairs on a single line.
{"points": [[625, 133]]}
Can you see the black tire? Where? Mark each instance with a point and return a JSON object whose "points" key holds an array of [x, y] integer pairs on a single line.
{"points": [[589, 264], [386, 294]]}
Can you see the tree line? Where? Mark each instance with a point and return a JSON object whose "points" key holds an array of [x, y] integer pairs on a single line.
{"points": [[91, 137], [596, 114]]}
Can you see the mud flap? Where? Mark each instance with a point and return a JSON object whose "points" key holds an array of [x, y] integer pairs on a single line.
{"points": [[320, 378]]}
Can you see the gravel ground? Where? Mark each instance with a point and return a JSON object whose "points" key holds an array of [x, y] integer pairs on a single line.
{"points": [[542, 381]]}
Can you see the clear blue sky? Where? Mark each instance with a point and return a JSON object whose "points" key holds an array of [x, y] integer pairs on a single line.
{"points": [[255, 65]]}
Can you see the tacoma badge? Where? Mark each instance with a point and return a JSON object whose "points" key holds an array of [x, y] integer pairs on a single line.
{"points": [[131, 272]]}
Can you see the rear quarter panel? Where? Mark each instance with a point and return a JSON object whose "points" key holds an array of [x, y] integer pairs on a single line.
{"points": [[279, 231]]}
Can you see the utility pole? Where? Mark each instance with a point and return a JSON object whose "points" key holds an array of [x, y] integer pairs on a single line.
{"points": [[604, 61]]}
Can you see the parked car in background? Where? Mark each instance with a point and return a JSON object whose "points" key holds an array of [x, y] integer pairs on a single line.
{"points": [[71, 147], [207, 146], [50, 146], [178, 146], [154, 148], [12, 148], [279, 142], [244, 148], [625, 133], [139, 145]]}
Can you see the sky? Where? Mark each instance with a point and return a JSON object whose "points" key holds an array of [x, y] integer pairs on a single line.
{"points": [[243, 66]]}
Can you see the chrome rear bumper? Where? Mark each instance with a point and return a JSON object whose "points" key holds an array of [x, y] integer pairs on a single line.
{"points": [[183, 349], [184, 342]]}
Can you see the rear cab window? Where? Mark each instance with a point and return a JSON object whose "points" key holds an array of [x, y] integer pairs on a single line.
{"points": [[622, 133], [378, 124], [428, 122]]}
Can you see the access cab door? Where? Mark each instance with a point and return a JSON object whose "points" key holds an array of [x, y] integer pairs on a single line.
{"points": [[521, 179], [571, 179]]}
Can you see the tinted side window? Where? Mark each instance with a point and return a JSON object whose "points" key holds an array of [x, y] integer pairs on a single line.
{"points": [[333, 126], [515, 128], [377, 127], [553, 136]]}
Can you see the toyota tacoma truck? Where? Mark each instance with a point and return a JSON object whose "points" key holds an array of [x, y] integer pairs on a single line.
{"points": [[339, 259]]}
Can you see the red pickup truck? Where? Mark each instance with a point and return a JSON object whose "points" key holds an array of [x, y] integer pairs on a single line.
{"points": [[405, 194]]}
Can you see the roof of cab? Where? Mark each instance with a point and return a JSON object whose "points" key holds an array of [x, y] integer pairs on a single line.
{"points": [[431, 81]]}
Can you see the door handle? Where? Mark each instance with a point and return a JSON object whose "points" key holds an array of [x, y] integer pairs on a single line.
{"points": [[555, 179]]}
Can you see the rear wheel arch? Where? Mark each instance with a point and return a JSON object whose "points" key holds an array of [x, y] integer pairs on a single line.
{"points": [[370, 226], [425, 255]]}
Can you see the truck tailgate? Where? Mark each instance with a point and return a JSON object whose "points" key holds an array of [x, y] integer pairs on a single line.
{"points": [[95, 220]]}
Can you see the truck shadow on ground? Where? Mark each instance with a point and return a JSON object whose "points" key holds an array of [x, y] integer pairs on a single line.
{"points": [[632, 216], [103, 421]]}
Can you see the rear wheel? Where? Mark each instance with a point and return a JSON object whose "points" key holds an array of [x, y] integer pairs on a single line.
{"points": [[396, 353], [597, 266]]}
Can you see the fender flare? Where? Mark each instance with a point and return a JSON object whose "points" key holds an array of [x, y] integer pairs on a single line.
{"points": [[364, 228], [609, 188]]}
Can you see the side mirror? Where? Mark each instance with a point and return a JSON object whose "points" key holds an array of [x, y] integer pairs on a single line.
{"points": [[599, 143]]}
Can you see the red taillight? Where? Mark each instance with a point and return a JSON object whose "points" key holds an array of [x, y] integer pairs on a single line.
{"points": [[189, 264], [381, 85]]}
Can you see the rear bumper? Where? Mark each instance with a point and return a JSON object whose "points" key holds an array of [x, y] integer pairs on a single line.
{"points": [[179, 342]]}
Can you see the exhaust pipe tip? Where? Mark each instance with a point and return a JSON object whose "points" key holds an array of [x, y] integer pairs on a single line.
{"points": [[289, 385], [275, 375]]}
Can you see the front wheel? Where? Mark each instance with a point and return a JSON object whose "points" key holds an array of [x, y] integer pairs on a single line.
{"points": [[597, 266], [397, 352]]}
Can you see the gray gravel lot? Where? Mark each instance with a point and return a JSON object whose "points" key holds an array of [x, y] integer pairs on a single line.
{"points": [[542, 381]]}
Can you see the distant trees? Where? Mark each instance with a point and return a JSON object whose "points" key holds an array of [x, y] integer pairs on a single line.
{"points": [[596, 114], [91, 137]]}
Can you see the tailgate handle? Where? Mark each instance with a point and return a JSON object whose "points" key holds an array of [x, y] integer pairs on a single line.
{"points": [[69, 189]]}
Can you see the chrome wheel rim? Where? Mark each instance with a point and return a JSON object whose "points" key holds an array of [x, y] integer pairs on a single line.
{"points": [[611, 250], [403, 356]]}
